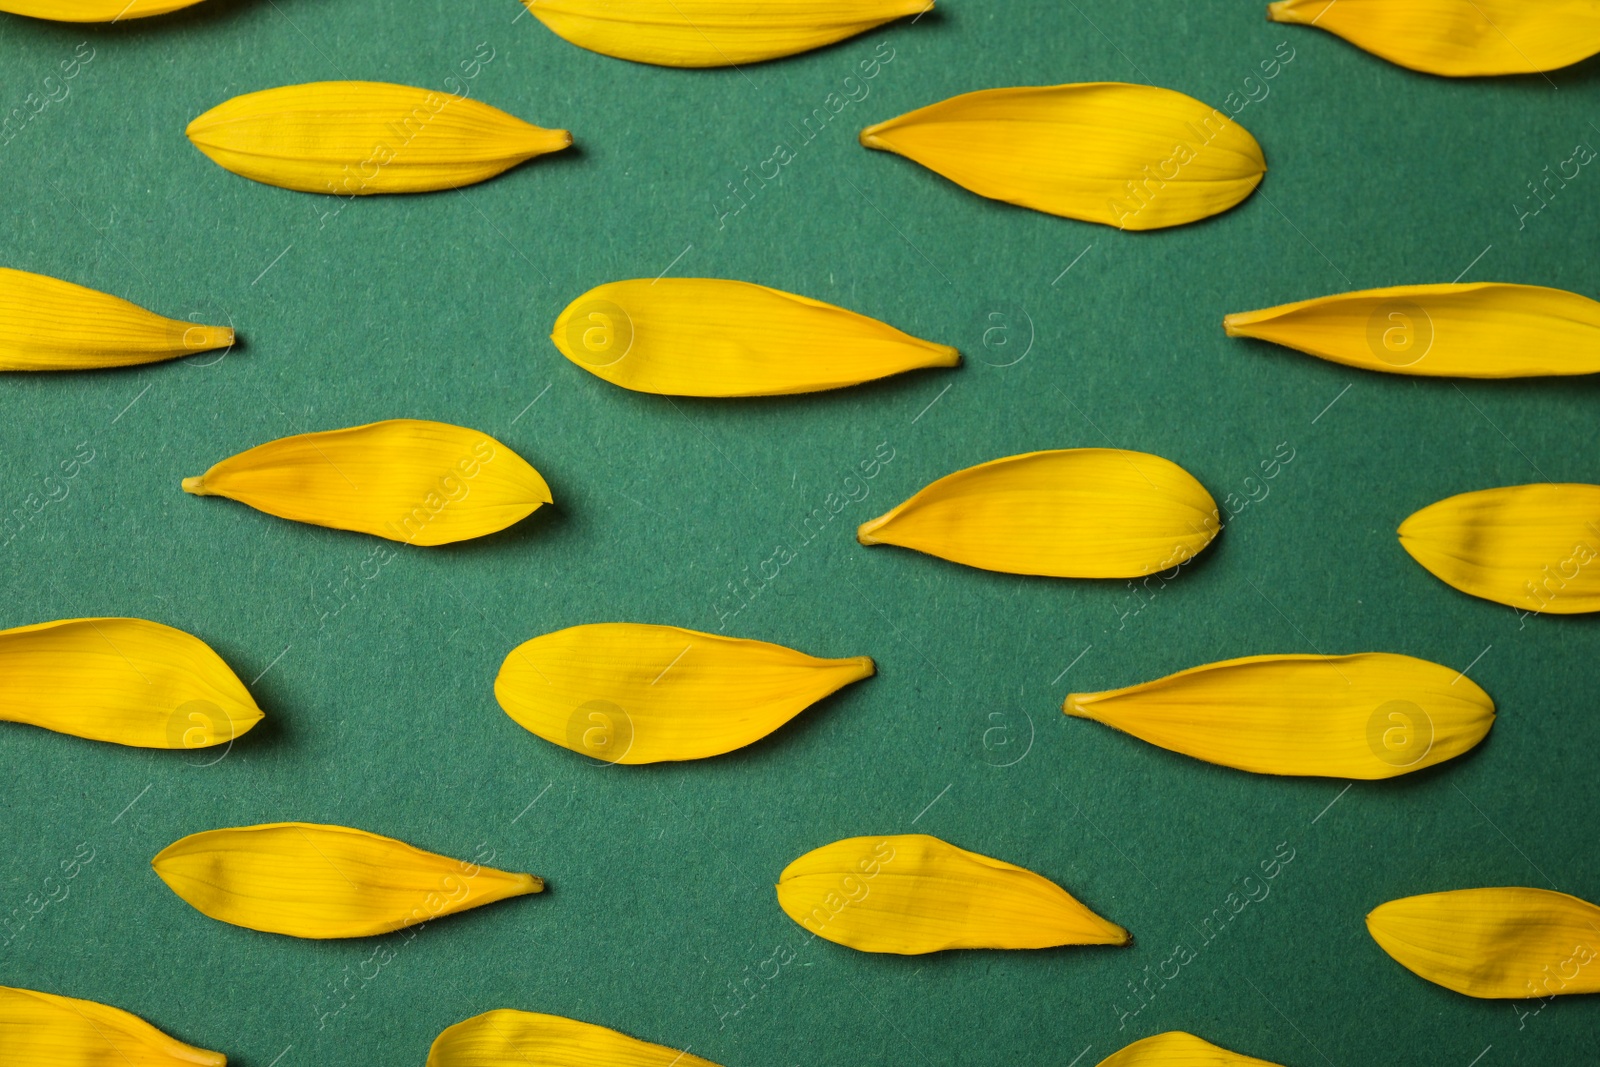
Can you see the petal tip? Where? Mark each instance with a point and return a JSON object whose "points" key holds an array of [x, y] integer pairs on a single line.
{"points": [[865, 531], [870, 137], [196, 485]]}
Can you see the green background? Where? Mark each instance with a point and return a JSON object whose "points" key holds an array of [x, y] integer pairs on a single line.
{"points": [[378, 692]]}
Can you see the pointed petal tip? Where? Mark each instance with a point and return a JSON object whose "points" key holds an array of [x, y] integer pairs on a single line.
{"points": [[205, 338], [870, 137], [865, 531], [865, 667], [534, 883], [1232, 324], [1073, 706]]}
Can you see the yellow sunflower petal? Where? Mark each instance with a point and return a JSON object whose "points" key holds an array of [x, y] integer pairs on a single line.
{"points": [[423, 483], [49, 324], [92, 10], [1368, 715], [911, 893], [1458, 38], [1178, 1049], [1131, 156], [44, 1030], [1504, 943], [325, 881], [357, 138], [507, 1038], [629, 692], [1475, 330], [1529, 546], [128, 681], [1073, 513], [711, 337], [713, 33]]}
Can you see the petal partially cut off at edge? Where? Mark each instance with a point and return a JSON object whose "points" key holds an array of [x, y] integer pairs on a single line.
{"points": [[1135, 157], [92, 10], [1505, 943], [1072, 513], [127, 681], [713, 337], [1458, 38], [357, 138], [1178, 1049], [314, 881], [507, 1038], [1369, 715], [421, 483], [713, 33], [1471, 330], [44, 1030], [1532, 547], [49, 324], [627, 692], [911, 893]]}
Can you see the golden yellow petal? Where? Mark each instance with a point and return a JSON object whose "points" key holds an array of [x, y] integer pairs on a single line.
{"points": [[1178, 1049], [1368, 715], [49, 324], [1458, 38], [92, 10], [1532, 547], [44, 1030], [1474, 330], [627, 692], [506, 1038], [423, 483], [358, 138], [1073, 513], [314, 881], [711, 337], [911, 893], [1131, 156], [128, 681], [713, 33], [1504, 943]]}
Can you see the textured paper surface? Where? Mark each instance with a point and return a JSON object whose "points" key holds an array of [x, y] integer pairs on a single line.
{"points": [[376, 661]]}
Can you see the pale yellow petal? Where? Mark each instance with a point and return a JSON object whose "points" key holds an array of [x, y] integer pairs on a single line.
{"points": [[507, 1038], [1368, 715], [1178, 1049], [1458, 38], [92, 10], [423, 483], [357, 138], [1472, 330], [713, 33], [628, 692], [1532, 547], [128, 681], [911, 893], [44, 1030], [711, 337], [1506, 943], [49, 324], [1074, 513], [1131, 156], [315, 881]]}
